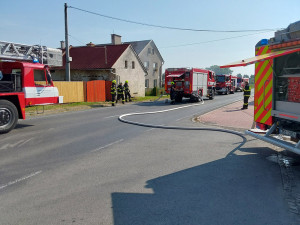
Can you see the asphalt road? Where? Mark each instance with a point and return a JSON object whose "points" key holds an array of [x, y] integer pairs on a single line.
{"points": [[89, 168]]}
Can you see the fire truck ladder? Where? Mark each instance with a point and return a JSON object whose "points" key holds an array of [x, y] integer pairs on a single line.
{"points": [[14, 51]]}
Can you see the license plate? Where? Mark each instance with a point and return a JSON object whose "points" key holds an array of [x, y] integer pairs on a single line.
{"points": [[288, 133]]}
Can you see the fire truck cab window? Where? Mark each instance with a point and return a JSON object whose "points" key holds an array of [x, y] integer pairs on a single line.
{"points": [[39, 75], [187, 74], [186, 84], [49, 78], [220, 78], [178, 84], [227, 79]]}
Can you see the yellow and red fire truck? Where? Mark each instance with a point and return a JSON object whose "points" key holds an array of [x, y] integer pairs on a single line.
{"points": [[277, 87]]}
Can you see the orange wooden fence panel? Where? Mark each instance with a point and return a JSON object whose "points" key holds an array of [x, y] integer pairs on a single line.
{"points": [[95, 91], [107, 90]]}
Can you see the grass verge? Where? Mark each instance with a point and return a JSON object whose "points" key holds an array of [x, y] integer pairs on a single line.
{"points": [[77, 106]]}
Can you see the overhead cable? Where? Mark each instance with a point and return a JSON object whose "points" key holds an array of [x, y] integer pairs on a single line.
{"points": [[168, 27]]}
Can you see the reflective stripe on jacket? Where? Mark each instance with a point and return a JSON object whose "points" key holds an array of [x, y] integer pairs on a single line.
{"points": [[247, 91], [120, 89], [126, 87], [113, 89]]}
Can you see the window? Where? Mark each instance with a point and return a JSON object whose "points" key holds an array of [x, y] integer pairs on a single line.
{"points": [[146, 65], [133, 65], [154, 66], [39, 75], [149, 50], [155, 83], [152, 51], [126, 64], [147, 83]]}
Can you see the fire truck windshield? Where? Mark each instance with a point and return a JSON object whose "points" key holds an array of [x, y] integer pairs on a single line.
{"points": [[220, 78]]}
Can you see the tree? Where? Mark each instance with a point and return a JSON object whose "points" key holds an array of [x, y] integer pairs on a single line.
{"points": [[246, 76], [251, 80], [219, 70], [239, 75]]}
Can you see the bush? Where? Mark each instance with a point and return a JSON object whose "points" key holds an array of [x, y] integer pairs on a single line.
{"points": [[154, 91]]}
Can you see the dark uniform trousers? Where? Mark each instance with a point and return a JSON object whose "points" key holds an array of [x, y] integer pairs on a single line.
{"points": [[120, 91], [247, 92], [127, 93]]}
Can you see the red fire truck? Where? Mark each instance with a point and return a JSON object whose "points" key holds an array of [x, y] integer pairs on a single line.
{"points": [[190, 83], [234, 82], [277, 87], [224, 84], [23, 83]]}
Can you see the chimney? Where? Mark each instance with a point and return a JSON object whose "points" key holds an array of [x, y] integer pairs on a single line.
{"points": [[62, 44], [91, 44], [116, 39]]}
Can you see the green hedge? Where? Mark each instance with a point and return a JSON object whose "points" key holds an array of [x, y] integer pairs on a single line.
{"points": [[154, 91]]}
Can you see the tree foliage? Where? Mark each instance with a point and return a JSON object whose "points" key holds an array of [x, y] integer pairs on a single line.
{"points": [[239, 75], [246, 76], [219, 70]]}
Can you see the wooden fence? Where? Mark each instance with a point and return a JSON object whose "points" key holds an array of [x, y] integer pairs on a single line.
{"points": [[72, 91], [83, 91]]}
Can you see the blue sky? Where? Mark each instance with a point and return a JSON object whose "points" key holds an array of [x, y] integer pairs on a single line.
{"points": [[42, 22]]}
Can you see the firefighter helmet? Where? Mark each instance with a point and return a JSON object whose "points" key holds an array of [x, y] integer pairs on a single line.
{"points": [[114, 81], [172, 82], [126, 81]]}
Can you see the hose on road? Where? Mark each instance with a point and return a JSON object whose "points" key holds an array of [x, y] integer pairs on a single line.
{"points": [[121, 118]]}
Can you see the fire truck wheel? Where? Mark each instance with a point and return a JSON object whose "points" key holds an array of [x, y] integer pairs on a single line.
{"points": [[178, 99], [8, 116]]}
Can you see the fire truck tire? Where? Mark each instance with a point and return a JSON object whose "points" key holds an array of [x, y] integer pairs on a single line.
{"points": [[8, 116], [178, 99]]}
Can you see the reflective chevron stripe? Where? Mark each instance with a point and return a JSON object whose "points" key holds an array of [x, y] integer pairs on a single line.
{"points": [[263, 88]]}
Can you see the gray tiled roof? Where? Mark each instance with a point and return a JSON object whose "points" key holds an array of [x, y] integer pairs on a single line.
{"points": [[138, 46]]}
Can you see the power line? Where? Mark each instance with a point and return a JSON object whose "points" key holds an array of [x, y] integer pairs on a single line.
{"points": [[204, 42], [167, 27], [76, 39]]}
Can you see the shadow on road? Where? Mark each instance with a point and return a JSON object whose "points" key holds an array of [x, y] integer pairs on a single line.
{"points": [[242, 188]]}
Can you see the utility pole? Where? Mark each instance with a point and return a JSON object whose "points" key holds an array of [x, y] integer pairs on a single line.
{"points": [[68, 77]]}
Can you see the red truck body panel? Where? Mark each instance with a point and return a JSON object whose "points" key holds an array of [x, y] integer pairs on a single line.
{"points": [[28, 92], [186, 81]]}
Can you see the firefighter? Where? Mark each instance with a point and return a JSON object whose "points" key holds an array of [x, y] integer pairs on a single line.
{"points": [[113, 92], [120, 92], [172, 92], [127, 91], [247, 93]]}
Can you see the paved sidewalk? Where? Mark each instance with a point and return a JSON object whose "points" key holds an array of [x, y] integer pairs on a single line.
{"points": [[231, 116]]}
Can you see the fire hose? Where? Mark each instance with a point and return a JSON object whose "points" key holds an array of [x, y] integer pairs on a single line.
{"points": [[121, 118]]}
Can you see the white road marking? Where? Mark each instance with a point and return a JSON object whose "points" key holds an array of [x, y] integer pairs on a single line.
{"points": [[20, 179], [17, 144], [108, 145], [111, 116]]}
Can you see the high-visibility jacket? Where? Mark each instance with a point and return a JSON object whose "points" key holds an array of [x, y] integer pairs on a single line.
{"points": [[126, 87], [247, 91], [120, 89], [113, 89]]}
